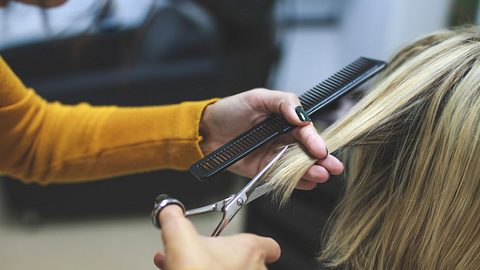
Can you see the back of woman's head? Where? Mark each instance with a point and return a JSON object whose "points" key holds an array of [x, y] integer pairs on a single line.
{"points": [[412, 153]]}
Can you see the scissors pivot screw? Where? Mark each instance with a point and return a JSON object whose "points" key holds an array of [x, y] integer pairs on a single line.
{"points": [[239, 201]]}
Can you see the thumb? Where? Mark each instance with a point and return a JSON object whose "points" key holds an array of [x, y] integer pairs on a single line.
{"points": [[177, 230], [181, 240]]}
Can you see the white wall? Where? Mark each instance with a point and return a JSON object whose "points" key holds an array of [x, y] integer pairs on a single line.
{"points": [[376, 28]]}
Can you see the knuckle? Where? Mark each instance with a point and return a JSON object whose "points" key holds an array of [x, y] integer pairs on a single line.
{"points": [[309, 137], [252, 242], [293, 97], [324, 174], [260, 91], [281, 105], [297, 133], [253, 93]]}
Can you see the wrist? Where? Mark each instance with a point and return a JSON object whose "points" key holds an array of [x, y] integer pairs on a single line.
{"points": [[203, 130]]}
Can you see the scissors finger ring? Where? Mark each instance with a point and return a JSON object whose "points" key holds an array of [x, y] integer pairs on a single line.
{"points": [[162, 201]]}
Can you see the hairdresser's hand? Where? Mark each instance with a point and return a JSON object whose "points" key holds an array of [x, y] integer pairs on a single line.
{"points": [[227, 118], [186, 249]]}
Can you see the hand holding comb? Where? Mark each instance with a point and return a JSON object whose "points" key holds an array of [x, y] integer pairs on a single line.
{"points": [[339, 84]]}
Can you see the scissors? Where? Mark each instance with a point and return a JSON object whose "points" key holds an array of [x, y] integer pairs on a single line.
{"points": [[229, 206]]}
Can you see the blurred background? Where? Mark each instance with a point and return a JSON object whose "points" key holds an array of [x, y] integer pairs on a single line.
{"points": [[145, 52]]}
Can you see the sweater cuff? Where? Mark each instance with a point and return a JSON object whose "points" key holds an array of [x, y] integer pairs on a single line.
{"points": [[190, 114]]}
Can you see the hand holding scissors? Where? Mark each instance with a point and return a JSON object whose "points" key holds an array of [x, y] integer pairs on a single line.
{"points": [[229, 206]]}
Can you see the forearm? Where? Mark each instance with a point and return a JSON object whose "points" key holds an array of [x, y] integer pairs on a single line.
{"points": [[48, 142]]}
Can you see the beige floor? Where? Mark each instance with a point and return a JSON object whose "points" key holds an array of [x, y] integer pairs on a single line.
{"points": [[117, 244]]}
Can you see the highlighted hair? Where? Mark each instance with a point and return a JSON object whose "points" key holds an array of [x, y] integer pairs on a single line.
{"points": [[411, 148]]}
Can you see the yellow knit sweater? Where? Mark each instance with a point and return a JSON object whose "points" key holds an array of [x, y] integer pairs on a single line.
{"points": [[46, 142]]}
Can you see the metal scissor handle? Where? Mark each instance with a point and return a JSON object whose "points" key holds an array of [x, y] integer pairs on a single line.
{"points": [[229, 206], [161, 201], [214, 207]]}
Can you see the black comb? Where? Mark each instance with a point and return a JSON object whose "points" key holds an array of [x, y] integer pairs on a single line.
{"points": [[312, 101]]}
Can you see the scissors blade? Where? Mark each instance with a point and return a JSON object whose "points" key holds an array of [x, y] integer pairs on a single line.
{"points": [[258, 192], [253, 189], [243, 196], [255, 182]]}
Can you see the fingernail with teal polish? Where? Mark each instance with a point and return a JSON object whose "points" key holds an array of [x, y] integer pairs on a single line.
{"points": [[302, 115]]}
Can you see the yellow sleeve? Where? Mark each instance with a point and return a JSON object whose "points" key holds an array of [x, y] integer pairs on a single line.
{"points": [[48, 142]]}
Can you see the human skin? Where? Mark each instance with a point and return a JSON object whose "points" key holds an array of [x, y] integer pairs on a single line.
{"points": [[40, 3], [219, 124], [186, 249]]}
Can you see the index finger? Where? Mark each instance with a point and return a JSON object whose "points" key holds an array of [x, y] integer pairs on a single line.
{"points": [[182, 242]]}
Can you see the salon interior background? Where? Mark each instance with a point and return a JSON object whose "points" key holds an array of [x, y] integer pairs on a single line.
{"points": [[140, 52]]}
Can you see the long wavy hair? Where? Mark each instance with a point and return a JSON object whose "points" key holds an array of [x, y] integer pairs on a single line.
{"points": [[411, 148]]}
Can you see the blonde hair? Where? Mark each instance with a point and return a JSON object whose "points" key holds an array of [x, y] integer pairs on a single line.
{"points": [[412, 153]]}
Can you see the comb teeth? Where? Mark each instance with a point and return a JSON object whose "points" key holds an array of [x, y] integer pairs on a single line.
{"points": [[334, 86], [315, 99], [242, 145]]}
